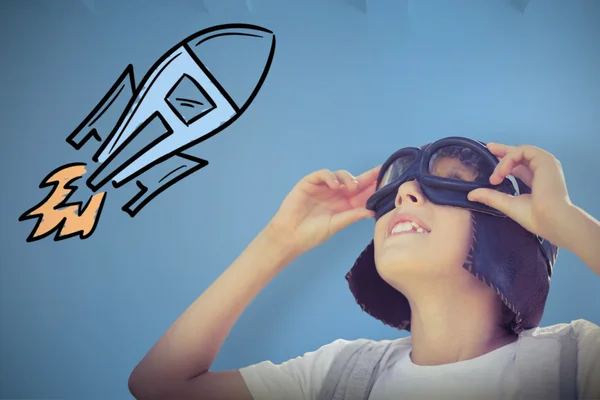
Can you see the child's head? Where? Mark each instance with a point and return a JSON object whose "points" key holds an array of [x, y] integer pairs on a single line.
{"points": [[429, 237]]}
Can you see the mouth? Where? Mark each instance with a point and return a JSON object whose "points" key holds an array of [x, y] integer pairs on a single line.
{"points": [[406, 223]]}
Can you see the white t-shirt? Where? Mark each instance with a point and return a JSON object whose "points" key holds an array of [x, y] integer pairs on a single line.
{"points": [[491, 376]]}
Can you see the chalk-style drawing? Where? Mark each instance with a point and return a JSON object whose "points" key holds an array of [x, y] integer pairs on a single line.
{"points": [[181, 101]]}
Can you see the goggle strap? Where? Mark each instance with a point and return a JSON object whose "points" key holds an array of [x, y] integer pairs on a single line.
{"points": [[515, 184]]}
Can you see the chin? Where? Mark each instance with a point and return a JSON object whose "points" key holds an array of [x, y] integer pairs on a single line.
{"points": [[395, 265], [399, 267]]}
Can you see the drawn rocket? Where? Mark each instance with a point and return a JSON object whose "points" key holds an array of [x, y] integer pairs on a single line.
{"points": [[181, 101]]}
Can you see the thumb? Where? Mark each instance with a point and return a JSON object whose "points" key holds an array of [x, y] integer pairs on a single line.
{"points": [[341, 220], [500, 201]]}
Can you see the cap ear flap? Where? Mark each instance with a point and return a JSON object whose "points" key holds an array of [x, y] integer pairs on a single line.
{"points": [[374, 295], [507, 258]]}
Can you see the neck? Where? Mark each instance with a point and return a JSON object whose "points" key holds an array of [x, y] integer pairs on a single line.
{"points": [[452, 327]]}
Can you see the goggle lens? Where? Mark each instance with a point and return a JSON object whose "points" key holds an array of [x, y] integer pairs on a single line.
{"points": [[460, 163], [454, 162], [396, 168]]}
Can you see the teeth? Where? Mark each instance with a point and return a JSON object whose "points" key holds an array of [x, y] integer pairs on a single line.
{"points": [[408, 227]]}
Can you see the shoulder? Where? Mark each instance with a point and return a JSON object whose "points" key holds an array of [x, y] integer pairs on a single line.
{"points": [[303, 376], [580, 335], [579, 341], [587, 335], [580, 329]]}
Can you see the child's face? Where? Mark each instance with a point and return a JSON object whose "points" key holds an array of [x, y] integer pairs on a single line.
{"points": [[409, 259]]}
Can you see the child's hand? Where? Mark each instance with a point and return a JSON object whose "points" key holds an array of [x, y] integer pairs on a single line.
{"points": [[322, 204], [546, 210]]}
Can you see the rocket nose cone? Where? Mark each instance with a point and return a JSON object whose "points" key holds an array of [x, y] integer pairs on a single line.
{"points": [[238, 57]]}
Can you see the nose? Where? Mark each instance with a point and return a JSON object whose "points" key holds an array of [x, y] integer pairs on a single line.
{"points": [[410, 192]]}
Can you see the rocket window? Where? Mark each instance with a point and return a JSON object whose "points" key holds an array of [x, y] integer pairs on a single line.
{"points": [[188, 100]]}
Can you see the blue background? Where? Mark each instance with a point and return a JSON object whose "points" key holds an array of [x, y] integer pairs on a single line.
{"points": [[347, 87]]}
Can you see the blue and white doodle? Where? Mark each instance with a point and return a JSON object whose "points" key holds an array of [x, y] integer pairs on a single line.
{"points": [[180, 102]]}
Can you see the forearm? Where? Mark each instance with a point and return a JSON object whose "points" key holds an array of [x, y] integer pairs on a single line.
{"points": [[582, 235], [190, 345]]}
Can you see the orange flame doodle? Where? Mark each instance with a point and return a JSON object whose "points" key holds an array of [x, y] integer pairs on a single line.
{"points": [[55, 214]]}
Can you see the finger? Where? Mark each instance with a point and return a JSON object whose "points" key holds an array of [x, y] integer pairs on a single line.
{"points": [[341, 220], [347, 179], [503, 168], [324, 176], [517, 208], [491, 198], [498, 149], [368, 178], [526, 155], [360, 198], [512, 206], [524, 174]]}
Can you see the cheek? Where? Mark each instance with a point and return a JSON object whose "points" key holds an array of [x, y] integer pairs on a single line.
{"points": [[395, 257], [453, 240], [380, 229], [382, 257]]}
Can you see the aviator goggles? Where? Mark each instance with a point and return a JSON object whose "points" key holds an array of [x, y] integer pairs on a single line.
{"points": [[447, 170]]}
